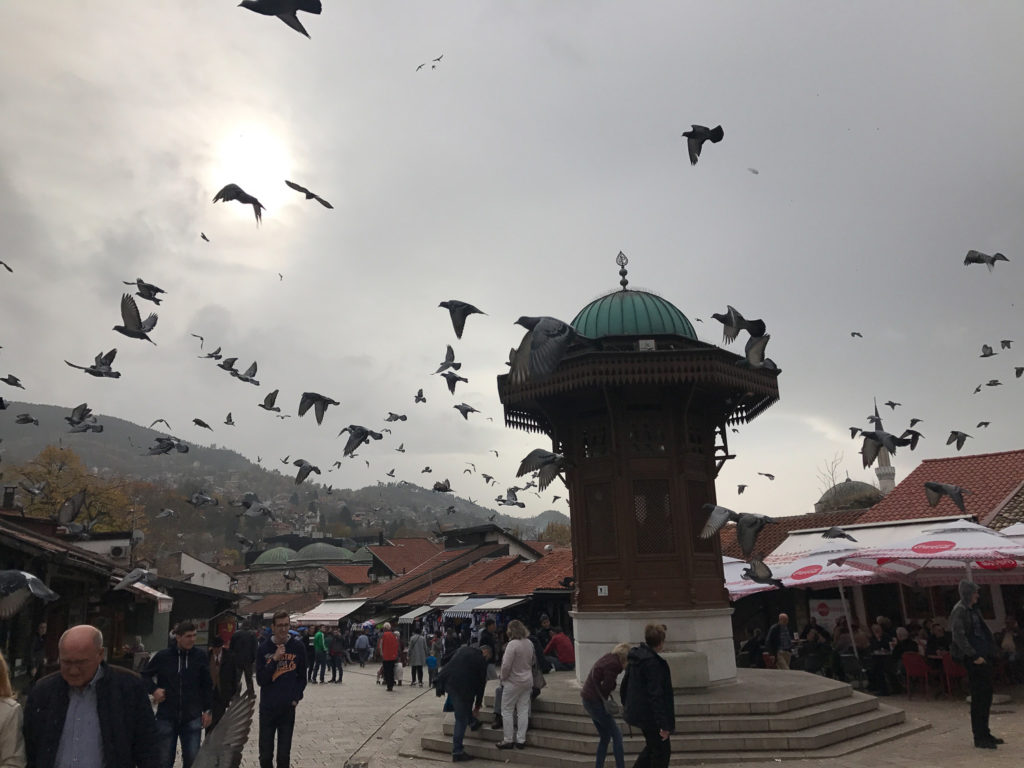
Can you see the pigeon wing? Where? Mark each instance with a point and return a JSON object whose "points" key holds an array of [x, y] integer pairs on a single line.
{"points": [[307, 399], [298, 187], [292, 21], [719, 517], [130, 313], [223, 747]]}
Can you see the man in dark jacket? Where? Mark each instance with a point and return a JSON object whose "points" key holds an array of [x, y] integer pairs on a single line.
{"points": [[281, 674], [227, 678], [243, 645], [647, 698], [111, 721], [972, 646], [179, 681], [464, 678], [779, 642]]}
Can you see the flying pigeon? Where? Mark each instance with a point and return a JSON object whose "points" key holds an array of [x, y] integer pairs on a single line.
{"points": [[697, 135], [935, 492], [748, 526], [983, 424], [1005, 343], [452, 378], [545, 463], [769, 475], [13, 380], [542, 348], [977, 257], [145, 290], [318, 402], [249, 376], [400, 448], [740, 488], [223, 747], [6, 266], [835, 532], [233, 191], [1018, 371], [309, 195], [285, 459], [465, 410], [33, 490], [419, 398], [993, 383], [760, 573], [510, 499], [229, 421], [160, 421], [245, 542], [459, 311], [986, 351], [16, 587], [204, 237], [304, 469], [449, 361], [390, 473], [442, 486], [426, 470], [136, 576], [891, 404], [201, 498], [911, 436], [202, 424], [101, 366], [753, 353], [856, 334], [215, 355], [733, 322], [915, 421], [165, 513], [487, 478], [957, 437], [228, 364], [286, 11], [134, 327], [26, 418], [357, 435], [269, 400]]}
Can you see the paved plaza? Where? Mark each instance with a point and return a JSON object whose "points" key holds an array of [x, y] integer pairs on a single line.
{"points": [[359, 722]]}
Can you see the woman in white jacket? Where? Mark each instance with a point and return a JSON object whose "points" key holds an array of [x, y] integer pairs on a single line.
{"points": [[12, 742], [517, 681]]}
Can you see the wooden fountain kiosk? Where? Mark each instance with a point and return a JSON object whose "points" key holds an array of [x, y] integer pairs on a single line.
{"points": [[642, 415]]}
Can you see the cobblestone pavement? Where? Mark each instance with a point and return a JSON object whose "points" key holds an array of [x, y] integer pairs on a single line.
{"points": [[360, 723]]}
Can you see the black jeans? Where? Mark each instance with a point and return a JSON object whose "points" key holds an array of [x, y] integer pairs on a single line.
{"points": [[389, 674], [282, 724], [979, 681], [417, 674], [247, 673], [656, 752], [337, 669]]}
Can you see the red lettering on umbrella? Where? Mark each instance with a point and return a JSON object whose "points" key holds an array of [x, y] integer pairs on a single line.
{"points": [[997, 565], [806, 572], [885, 560], [933, 547]]}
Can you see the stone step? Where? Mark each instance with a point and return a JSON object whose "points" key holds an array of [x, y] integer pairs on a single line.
{"points": [[791, 720], [544, 757], [813, 737]]}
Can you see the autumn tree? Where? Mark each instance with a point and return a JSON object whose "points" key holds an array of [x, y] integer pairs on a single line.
{"points": [[558, 534]]}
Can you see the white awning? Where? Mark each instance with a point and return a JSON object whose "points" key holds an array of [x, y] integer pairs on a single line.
{"points": [[447, 600], [164, 603], [465, 609], [500, 604], [329, 611], [415, 613]]}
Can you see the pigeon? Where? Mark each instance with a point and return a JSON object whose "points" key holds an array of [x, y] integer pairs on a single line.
{"points": [[390, 473], [202, 424], [6, 266], [396, 416], [215, 355], [957, 437], [228, 364], [993, 383], [1005, 343], [494, 452], [748, 526], [233, 191], [165, 513], [201, 498], [545, 463], [245, 542], [204, 237], [977, 257], [1018, 371], [442, 486], [760, 573], [915, 421], [459, 311], [33, 490], [26, 418], [835, 532], [285, 459], [16, 587], [856, 334], [472, 466], [223, 746], [146, 290], [487, 478], [357, 435], [753, 353], [101, 366], [733, 322], [304, 469], [229, 421], [400, 448], [12, 380], [419, 398], [697, 135], [935, 492], [912, 436], [136, 576], [983, 424], [249, 376], [453, 378], [269, 400], [986, 351], [769, 475], [134, 327], [740, 489], [160, 421], [79, 414], [86, 427], [753, 171], [465, 410], [4, 405], [318, 402], [510, 499], [426, 470], [286, 11], [891, 404], [542, 348], [555, 498], [449, 361], [309, 195]]}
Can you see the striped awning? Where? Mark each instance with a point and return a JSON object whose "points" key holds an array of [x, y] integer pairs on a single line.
{"points": [[465, 609], [164, 603], [329, 612], [415, 613], [446, 601], [500, 604]]}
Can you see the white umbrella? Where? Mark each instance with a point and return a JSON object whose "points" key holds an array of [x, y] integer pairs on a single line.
{"points": [[1015, 531]]}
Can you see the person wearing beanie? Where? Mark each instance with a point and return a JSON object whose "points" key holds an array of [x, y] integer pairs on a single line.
{"points": [[972, 646]]}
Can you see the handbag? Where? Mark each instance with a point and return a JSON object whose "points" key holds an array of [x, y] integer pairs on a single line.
{"points": [[538, 676], [611, 706]]}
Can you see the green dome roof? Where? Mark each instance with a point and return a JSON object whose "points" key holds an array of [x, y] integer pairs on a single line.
{"points": [[322, 551], [632, 313], [275, 556]]}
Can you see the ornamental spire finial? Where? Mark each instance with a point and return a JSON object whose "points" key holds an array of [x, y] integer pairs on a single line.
{"points": [[622, 260]]}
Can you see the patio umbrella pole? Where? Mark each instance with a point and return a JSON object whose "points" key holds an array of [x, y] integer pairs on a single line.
{"points": [[849, 623]]}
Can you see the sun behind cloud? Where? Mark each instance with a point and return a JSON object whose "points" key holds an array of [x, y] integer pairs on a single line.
{"points": [[257, 159]]}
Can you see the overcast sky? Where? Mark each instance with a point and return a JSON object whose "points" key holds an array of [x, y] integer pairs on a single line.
{"points": [[887, 136]]}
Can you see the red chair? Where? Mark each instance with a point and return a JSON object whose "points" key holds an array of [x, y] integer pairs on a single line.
{"points": [[769, 660], [916, 668], [952, 670]]}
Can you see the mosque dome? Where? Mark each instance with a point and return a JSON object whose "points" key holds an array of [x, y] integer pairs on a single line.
{"points": [[275, 556], [632, 313], [321, 551], [849, 494]]}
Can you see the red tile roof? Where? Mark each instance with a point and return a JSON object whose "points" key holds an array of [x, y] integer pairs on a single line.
{"points": [[405, 554], [440, 565], [473, 579], [992, 478], [293, 602], [350, 574], [775, 533], [524, 578]]}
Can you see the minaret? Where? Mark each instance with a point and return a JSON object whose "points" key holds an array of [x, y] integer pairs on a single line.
{"points": [[885, 472]]}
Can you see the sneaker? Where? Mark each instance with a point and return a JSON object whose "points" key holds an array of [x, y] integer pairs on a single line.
{"points": [[461, 757]]}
